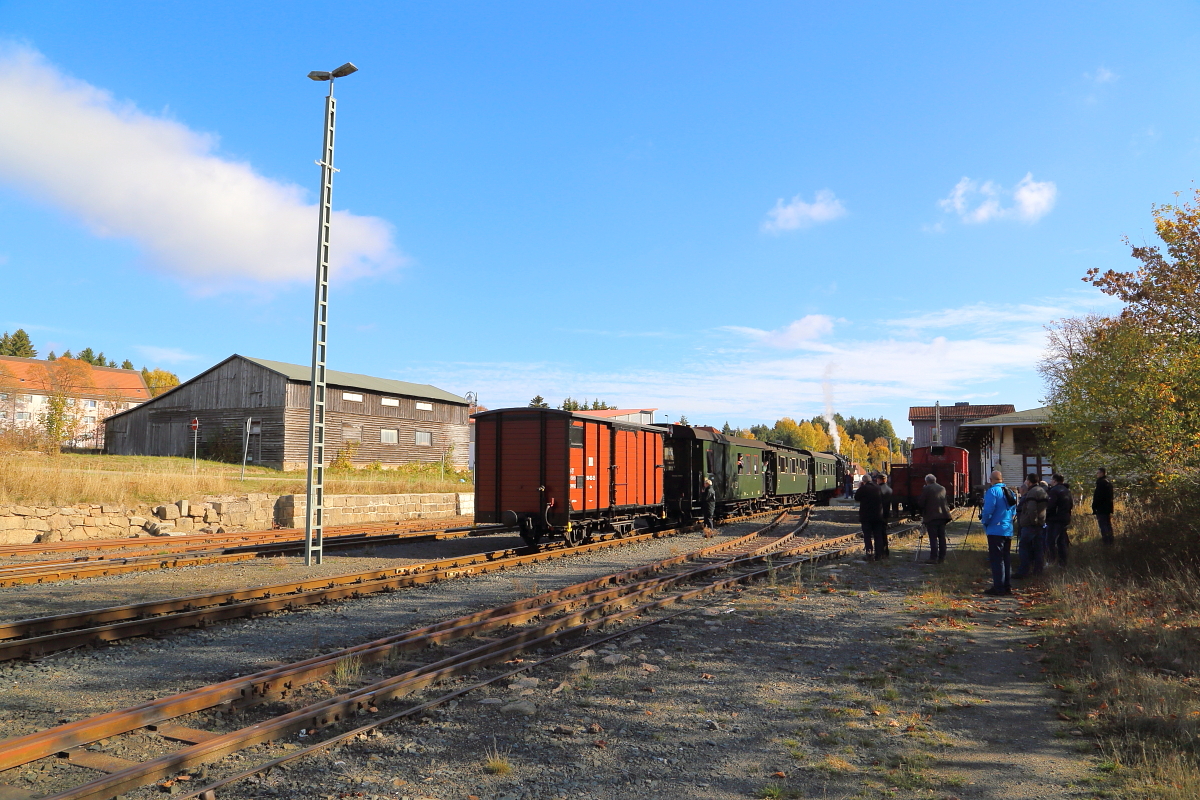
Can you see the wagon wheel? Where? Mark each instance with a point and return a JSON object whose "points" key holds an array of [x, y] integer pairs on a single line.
{"points": [[529, 532], [575, 534]]}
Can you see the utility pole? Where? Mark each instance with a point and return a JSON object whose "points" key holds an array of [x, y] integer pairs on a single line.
{"points": [[314, 510]]}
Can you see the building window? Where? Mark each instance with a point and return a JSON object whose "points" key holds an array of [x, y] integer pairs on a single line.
{"points": [[424, 406], [389, 401], [352, 397], [389, 436], [22, 415], [90, 403], [25, 398], [3, 395], [424, 438], [3, 415], [89, 420], [351, 433]]}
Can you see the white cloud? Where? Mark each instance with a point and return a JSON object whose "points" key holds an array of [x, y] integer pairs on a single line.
{"points": [[1101, 75], [799, 214], [133, 175], [976, 202], [981, 350], [165, 355], [800, 333]]}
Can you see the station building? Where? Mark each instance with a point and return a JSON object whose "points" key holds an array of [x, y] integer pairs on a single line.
{"points": [[368, 420], [1014, 443]]}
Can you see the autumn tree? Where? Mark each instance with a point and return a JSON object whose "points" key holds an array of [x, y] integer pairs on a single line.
{"points": [[1122, 390], [159, 380], [63, 382]]}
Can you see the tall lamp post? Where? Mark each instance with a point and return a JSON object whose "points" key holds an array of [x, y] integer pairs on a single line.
{"points": [[314, 517]]}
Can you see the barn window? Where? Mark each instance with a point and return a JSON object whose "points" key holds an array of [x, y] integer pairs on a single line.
{"points": [[424, 406], [389, 401], [389, 436], [351, 433], [424, 438], [352, 397]]}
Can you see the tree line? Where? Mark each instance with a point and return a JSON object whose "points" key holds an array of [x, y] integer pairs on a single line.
{"points": [[871, 443], [571, 404]]}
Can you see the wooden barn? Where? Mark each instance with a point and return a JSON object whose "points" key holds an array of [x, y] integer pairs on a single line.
{"points": [[368, 419]]}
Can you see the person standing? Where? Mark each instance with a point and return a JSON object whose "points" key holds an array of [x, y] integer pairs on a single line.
{"points": [[935, 513], [870, 515], [708, 499], [885, 511], [1031, 518], [997, 519], [1058, 517], [885, 493], [1102, 505]]}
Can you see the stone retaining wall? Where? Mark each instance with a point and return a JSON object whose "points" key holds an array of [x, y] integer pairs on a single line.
{"points": [[27, 524]]}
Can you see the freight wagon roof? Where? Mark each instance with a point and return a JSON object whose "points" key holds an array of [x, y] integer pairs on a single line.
{"points": [[583, 416]]}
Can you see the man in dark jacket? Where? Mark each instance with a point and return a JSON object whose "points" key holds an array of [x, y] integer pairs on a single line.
{"points": [[935, 513], [1102, 505], [870, 514], [708, 500], [1031, 517], [885, 494], [1058, 516]]}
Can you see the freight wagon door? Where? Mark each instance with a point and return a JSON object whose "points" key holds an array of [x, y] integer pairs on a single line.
{"points": [[591, 457], [626, 468]]}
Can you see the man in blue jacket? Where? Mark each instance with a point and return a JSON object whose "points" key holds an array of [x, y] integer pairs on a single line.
{"points": [[997, 519]]}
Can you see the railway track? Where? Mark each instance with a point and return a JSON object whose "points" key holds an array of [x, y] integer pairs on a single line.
{"points": [[41, 636], [531, 624], [165, 557]]}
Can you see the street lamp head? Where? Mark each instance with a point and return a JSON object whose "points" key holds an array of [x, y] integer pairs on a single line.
{"points": [[344, 70], [319, 76]]}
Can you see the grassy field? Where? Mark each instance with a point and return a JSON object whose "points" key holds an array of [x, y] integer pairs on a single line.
{"points": [[1119, 633], [31, 479]]}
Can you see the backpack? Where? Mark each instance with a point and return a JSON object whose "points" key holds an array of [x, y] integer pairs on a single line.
{"points": [[1010, 497]]}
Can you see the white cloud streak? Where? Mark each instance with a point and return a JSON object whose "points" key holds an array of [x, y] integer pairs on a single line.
{"points": [[801, 333], [976, 351], [165, 355], [799, 214], [129, 174], [976, 202]]}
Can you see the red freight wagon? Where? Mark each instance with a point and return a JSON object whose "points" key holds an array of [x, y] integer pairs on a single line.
{"points": [[547, 471], [948, 464]]}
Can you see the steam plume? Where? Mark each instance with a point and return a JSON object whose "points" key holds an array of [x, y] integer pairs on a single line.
{"points": [[827, 388]]}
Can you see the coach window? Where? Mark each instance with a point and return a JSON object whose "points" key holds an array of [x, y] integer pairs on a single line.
{"points": [[423, 439], [710, 457], [741, 466], [668, 458], [389, 436], [754, 459]]}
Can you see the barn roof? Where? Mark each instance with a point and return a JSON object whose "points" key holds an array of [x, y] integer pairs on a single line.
{"points": [[303, 374], [29, 375]]}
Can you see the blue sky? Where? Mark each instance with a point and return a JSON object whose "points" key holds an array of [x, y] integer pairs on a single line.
{"points": [[727, 211]]}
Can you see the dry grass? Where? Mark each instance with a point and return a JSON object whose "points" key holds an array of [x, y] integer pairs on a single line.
{"points": [[64, 479], [495, 761], [1123, 640]]}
